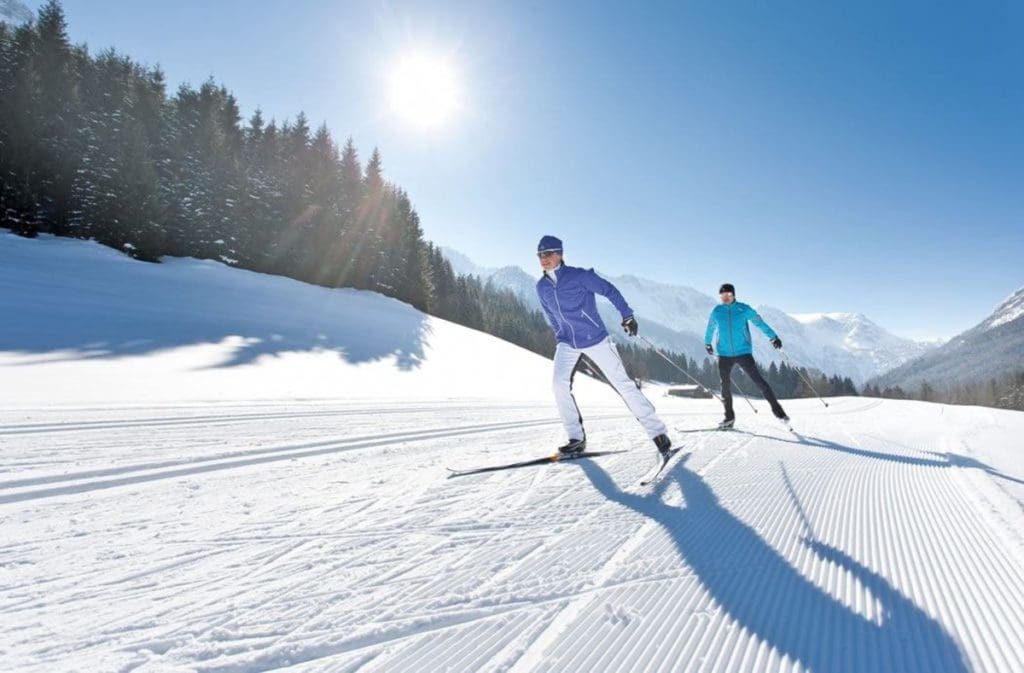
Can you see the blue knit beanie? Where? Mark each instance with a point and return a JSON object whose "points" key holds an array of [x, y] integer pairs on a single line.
{"points": [[549, 243]]}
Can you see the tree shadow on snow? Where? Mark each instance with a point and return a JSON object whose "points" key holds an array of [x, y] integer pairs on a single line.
{"points": [[758, 588], [358, 326]]}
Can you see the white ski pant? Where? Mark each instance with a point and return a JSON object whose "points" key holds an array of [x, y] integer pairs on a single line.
{"points": [[604, 355]]}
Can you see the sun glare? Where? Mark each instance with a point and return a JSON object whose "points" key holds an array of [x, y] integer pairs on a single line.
{"points": [[422, 90]]}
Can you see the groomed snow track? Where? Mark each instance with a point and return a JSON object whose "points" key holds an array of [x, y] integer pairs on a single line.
{"points": [[256, 537]]}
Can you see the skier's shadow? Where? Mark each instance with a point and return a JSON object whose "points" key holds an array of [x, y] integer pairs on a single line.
{"points": [[810, 440], [759, 589], [939, 459]]}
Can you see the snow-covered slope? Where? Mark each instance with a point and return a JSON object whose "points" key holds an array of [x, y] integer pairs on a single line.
{"points": [[182, 490], [1009, 311], [675, 317], [93, 323], [991, 349]]}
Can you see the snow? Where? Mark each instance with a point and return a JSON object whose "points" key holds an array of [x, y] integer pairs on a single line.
{"points": [[811, 318], [94, 325], [847, 342], [207, 469], [1008, 311]]}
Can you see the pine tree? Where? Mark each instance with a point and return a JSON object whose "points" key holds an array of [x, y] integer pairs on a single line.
{"points": [[325, 215], [19, 160], [340, 265], [413, 281], [54, 112], [369, 227]]}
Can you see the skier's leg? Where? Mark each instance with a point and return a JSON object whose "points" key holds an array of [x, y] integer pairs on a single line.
{"points": [[607, 359], [566, 359], [750, 367], [725, 364]]}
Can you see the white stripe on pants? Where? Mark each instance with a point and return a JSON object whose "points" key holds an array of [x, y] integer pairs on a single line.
{"points": [[607, 359]]}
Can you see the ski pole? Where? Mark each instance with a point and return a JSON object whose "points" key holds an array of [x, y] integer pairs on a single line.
{"points": [[699, 384], [798, 371], [742, 394]]}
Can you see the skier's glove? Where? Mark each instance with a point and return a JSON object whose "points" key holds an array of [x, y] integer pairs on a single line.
{"points": [[777, 342], [630, 326], [709, 349]]}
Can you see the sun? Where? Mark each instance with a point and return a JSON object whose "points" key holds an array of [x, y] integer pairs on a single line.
{"points": [[423, 90]]}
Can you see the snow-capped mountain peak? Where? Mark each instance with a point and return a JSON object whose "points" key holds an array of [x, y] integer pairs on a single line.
{"points": [[1011, 309], [810, 318], [991, 349]]}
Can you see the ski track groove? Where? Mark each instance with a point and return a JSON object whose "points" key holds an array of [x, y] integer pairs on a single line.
{"points": [[348, 444], [479, 588], [244, 459], [580, 603], [859, 599]]}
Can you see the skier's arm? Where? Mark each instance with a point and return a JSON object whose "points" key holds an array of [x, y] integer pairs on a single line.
{"points": [[753, 317], [709, 333], [593, 282]]}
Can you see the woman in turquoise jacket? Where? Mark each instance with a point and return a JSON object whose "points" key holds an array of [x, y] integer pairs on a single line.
{"points": [[730, 319]]}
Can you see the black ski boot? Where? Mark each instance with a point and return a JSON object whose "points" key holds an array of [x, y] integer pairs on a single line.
{"points": [[573, 447], [727, 424], [664, 445]]}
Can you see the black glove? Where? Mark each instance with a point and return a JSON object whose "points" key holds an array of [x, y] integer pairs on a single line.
{"points": [[709, 349], [777, 342], [630, 326]]}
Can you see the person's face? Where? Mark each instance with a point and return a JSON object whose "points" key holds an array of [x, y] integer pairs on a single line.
{"points": [[726, 297], [549, 259]]}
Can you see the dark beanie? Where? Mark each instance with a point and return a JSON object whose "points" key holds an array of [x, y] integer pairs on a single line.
{"points": [[549, 243], [726, 287]]}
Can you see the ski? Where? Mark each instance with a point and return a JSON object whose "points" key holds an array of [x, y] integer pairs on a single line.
{"points": [[553, 458], [665, 460]]}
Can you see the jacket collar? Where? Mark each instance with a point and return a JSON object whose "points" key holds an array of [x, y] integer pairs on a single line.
{"points": [[555, 273]]}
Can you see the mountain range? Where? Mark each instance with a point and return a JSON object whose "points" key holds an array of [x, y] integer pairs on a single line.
{"points": [[674, 317], [991, 349]]}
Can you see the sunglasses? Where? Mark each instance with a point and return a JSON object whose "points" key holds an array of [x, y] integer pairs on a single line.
{"points": [[547, 253]]}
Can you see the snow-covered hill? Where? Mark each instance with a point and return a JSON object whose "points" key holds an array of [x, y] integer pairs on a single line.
{"points": [[82, 321], [675, 317], [991, 349], [206, 469]]}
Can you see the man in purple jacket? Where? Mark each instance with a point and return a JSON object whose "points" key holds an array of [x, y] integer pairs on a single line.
{"points": [[567, 296]]}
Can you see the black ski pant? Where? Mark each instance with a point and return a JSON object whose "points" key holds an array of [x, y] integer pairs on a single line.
{"points": [[725, 365]]}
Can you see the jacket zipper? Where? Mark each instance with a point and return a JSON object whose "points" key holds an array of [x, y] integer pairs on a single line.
{"points": [[732, 341], [588, 317], [558, 305]]}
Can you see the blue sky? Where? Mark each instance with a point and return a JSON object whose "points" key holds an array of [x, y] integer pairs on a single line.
{"points": [[867, 157]]}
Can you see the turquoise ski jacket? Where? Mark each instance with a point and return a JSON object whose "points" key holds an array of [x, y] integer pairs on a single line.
{"points": [[730, 320]]}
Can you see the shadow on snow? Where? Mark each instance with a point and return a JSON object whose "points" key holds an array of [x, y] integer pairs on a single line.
{"points": [[767, 596], [141, 312], [937, 459]]}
